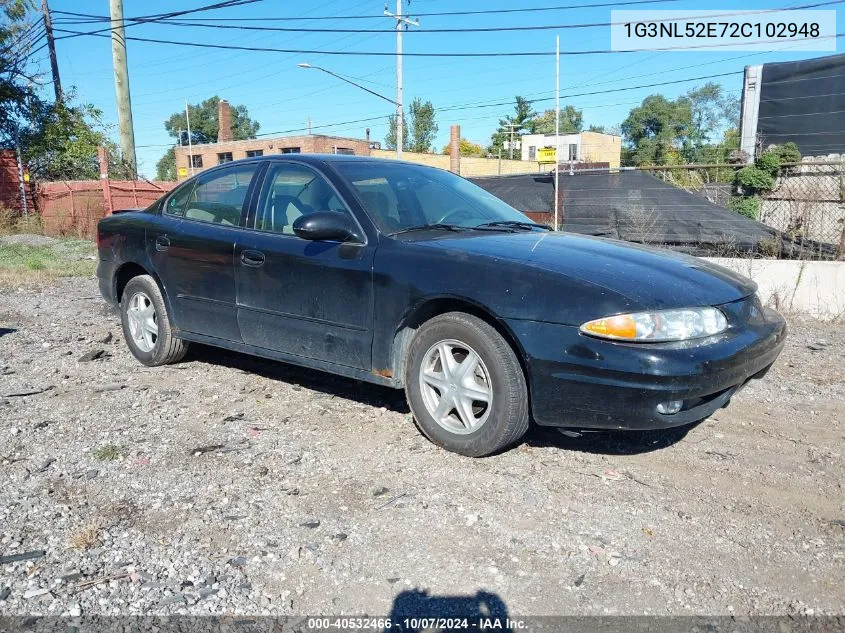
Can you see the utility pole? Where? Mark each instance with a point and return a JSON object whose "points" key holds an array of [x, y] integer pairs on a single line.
{"points": [[401, 24], [190, 143], [121, 86], [557, 133], [308, 122], [512, 127], [21, 181], [51, 46]]}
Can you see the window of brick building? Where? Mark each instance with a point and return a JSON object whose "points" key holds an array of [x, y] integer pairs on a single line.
{"points": [[196, 160], [289, 150], [532, 152], [347, 151], [252, 153], [224, 157], [573, 151]]}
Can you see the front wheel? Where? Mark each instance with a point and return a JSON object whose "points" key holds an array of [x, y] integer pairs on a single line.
{"points": [[465, 386], [146, 324]]}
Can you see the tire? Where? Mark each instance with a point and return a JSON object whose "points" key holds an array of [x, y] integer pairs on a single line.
{"points": [[482, 427], [149, 334]]}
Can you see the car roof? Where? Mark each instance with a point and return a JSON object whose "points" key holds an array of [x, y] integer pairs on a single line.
{"points": [[315, 159]]}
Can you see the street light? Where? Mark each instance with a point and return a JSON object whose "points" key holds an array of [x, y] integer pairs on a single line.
{"points": [[372, 92]]}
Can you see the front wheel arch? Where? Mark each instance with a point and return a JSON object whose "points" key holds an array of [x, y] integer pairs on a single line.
{"points": [[434, 307], [486, 406]]}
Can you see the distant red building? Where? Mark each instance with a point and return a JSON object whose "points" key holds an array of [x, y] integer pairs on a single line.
{"points": [[10, 189]]}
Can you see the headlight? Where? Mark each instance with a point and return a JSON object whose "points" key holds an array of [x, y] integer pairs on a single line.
{"points": [[659, 326]]}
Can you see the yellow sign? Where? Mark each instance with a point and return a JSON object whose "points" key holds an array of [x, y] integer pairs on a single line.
{"points": [[183, 171], [546, 155]]}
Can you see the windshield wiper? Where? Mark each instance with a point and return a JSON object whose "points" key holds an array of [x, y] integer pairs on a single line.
{"points": [[436, 226], [439, 226], [516, 224]]}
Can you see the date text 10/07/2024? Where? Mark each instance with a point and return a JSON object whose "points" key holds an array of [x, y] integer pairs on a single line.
{"points": [[414, 624]]}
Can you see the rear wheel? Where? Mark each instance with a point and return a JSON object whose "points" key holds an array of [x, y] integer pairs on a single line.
{"points": [[465, 386], [146, 324]]}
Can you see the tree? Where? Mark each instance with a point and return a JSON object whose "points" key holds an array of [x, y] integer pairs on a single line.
{"points": [[62, 140], [419, 131], [166, 166], [18, 99], [205, 124], [422, 126], [467, 148], [599, 129], [658, 129], [390, 137], [712, 109], [58, 141], [204, 128], [571, 121], [521, 122]]}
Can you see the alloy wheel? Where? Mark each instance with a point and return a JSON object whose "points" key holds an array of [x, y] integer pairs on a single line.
{"points": [[143, 323], [456, 386]]}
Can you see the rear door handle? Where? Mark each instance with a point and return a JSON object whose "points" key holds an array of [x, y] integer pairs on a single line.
{"points": [[252, 258], [162, 243]]}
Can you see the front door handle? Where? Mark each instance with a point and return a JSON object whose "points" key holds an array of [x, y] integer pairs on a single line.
{"points": [[252, 258], [162, 243]]}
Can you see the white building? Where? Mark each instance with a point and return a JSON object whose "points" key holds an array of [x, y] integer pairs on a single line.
{"points": [[583, 147]]}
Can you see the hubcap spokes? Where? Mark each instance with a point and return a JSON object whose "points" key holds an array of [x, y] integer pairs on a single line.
{"points": [[456, 387], [143, 322]]}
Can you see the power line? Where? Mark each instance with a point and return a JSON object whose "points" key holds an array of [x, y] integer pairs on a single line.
{"points": [[620, 3], [30, 35], [489, 29], [595, 92], [157, 18], [261, 49], [299, 129], [224, 4]]}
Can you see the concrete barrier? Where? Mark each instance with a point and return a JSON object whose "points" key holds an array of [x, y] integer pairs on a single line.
{"points": [[813, 288]]}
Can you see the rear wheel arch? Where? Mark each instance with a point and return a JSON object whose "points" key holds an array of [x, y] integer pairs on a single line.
{"points": [[128, 271], [434, 307]]}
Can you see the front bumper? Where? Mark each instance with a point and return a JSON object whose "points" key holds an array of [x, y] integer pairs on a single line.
{"points": [[584, 382]]}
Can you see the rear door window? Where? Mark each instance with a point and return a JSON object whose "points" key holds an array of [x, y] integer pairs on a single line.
{"points": [[175, 204], [219, 197]]}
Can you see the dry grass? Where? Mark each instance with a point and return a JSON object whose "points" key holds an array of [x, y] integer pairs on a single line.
{"points": [[23, 265], [108, 452], [86, 537], [11, 223]]}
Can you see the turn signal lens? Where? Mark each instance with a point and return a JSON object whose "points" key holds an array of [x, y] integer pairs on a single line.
{"points": [[659, 326]]}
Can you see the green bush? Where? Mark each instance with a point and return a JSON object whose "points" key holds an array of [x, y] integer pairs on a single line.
{"points": [[769, 162], [754, 180], [749, 207], [788, 153]]}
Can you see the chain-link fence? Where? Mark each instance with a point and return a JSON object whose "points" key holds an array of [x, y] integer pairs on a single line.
{"points": [[807, 203]]}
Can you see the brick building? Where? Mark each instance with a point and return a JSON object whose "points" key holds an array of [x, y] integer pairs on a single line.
{"points": [[10, 184], [225, 149]]}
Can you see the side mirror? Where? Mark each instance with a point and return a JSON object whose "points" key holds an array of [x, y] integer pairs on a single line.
{"points": [[325, 226]]}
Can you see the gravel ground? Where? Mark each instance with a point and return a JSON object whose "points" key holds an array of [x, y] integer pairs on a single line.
{"points": [[227, 484]]}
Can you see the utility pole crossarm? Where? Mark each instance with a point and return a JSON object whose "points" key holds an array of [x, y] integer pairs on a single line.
{"points": [[404, 19], [402, 22]]}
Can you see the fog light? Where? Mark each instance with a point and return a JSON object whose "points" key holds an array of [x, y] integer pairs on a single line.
{"points": [[670, 408]]}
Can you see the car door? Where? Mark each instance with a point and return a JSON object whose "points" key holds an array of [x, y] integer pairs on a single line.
{"points": [[192, 249], [306, 298]]}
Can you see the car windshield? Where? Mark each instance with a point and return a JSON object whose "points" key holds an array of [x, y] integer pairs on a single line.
{"points": [[399, 197]]}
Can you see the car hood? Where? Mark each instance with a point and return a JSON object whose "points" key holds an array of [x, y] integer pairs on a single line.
{"points": [[648, 277]]}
